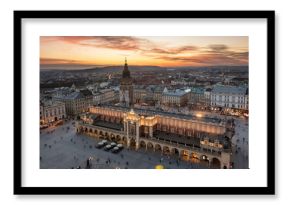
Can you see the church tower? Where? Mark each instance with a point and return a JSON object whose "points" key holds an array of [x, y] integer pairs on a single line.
{"points": [[126, 87]]}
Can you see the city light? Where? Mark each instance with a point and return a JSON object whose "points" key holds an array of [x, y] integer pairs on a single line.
{"points": [[199, 115], [159, 166]]}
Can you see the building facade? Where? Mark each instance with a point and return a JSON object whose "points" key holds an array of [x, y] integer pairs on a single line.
{"points": [[149, 94], [104, 96], [175, 98], [229, 97], [187, 137], [76, 102], [51, 111], [197, 95]]}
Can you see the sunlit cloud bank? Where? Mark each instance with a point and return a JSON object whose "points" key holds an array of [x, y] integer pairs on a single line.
{"points": [[159, 51]]}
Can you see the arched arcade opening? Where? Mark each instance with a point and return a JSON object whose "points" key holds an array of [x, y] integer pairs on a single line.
{"points": [[215, 163]]}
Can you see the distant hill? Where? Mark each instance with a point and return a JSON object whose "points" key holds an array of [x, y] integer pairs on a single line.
{"points": [[133, 68], [120, 68]]}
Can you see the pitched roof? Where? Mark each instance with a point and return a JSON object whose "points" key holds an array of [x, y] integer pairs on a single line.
{"points": [[86, 92], [229, 89], [74, 95]]}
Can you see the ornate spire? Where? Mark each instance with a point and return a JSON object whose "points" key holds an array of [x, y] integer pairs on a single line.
{"points": [[126, 72]]}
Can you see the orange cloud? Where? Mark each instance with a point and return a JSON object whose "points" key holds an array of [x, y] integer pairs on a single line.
{"points": [[139, 49]]}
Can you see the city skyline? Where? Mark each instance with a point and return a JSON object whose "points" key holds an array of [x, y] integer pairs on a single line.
{"points": [[153, 120], [161, 51]]}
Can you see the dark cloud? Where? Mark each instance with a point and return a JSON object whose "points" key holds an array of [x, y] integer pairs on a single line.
{"points": [[239, 54], [171, 50], [215, 54], [121, 43], [186, 48], [208, 59], [112, 42], [159, 51], [58, 61], [218, 47]]}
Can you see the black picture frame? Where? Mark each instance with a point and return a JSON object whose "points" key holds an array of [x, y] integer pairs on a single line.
{"points": [[268, 190]]}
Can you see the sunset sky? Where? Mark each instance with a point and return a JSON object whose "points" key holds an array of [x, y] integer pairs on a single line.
{"points": [[140, 50]]}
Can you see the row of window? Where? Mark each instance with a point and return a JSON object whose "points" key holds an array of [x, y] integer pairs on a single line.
{"points": [[56, 111], [227, 98], [230, 105]]}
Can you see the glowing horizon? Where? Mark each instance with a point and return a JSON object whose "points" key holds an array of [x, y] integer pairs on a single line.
{"points": [[164, 51]]}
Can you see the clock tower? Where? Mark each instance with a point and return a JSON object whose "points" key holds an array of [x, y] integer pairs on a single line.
{"points": [[126, 87]]}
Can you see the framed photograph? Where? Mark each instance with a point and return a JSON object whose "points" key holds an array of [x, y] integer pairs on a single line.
{"points": [[144, 102]]}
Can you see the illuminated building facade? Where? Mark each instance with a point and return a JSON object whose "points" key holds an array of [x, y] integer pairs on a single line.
{"points": [[190, 138]]}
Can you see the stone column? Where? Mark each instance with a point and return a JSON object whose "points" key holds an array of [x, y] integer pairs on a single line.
{"points": [[150, 131], [127, 129], [77, 127], [225, 159], [189, 156], [128, 142], [180, 153], [124, 126]]}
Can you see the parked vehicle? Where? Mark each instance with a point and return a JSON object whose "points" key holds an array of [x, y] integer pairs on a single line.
{"points": [[105, 141], [100, 145], [113, 144], [115, 150], [120, 146], [108, 147]]}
